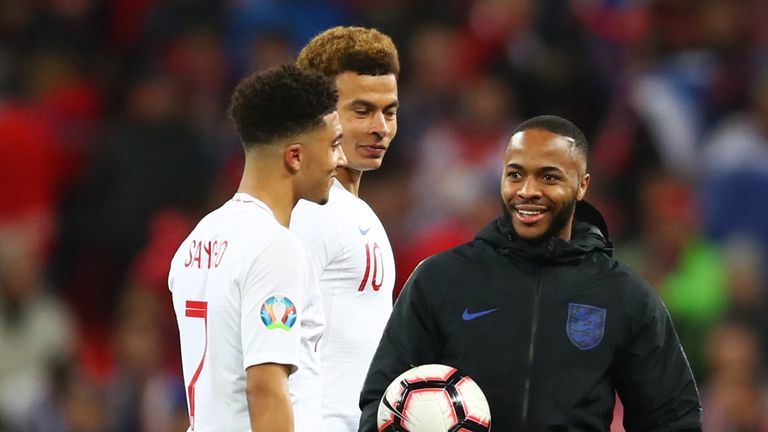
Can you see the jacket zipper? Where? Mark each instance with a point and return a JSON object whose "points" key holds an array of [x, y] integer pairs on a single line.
{"points": [[534, 330]]}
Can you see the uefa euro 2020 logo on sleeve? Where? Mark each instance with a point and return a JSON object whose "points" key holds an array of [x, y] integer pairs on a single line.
{"points": [[278, 312]]}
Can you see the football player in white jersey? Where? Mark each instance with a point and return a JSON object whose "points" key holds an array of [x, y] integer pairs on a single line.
{"points": [[346, 241], [247, 305]]}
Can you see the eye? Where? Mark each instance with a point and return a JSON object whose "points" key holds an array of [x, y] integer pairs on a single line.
{"points": [[550, 178], [390, 114]]}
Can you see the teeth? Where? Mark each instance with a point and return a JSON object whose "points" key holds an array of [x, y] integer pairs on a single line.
{"points": [[528, 212]]}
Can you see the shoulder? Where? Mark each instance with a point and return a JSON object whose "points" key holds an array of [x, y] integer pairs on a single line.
{"points": [[254, 229], [639, 298], [307, 215], [281, 238], [628, 279], [609, 272], [307, 211], [339, 200], [442, 276], [334, 223], [281, 253], [454, 262], [261, 228]]}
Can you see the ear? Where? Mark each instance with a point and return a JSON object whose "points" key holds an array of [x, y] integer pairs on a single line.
{"points": [[293, 157], [583, 186]]}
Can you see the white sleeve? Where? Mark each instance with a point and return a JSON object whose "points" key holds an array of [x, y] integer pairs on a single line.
{"points": [[273, 296], [317, 226]]}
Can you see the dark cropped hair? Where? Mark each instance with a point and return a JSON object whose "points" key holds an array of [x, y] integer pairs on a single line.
{"points": [[557, 125], [279, 103], [350, 49]]}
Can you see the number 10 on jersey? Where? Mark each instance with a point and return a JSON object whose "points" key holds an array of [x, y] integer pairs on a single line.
{"points": [[373, 253]]}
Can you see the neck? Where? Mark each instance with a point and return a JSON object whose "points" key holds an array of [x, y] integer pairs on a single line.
{"points": [[350, 179], [270, 186]]}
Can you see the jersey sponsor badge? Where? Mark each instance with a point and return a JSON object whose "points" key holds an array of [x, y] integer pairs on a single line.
{"points": [[278, 312], [586, 325]]}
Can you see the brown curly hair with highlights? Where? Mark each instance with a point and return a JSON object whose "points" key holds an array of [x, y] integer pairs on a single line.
{"points": [[279, 103], [350, 49]]}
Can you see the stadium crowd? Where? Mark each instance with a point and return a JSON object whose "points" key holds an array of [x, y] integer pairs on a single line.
{"points": [[115, 141]]}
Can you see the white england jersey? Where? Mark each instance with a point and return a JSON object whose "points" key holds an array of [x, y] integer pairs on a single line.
{"points": [[352, 255], [245, 294]]}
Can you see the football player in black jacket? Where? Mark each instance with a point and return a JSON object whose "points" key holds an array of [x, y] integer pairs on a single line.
{"points": [[537, 311]]}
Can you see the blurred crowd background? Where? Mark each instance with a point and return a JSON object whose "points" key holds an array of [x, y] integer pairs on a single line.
{"points": [[114, 142]]}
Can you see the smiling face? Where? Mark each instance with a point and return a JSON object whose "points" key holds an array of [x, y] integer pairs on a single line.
{"points": [[323, 155], [544, 176], [368, 110]]}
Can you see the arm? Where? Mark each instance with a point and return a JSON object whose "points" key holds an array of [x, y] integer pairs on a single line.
{"points": [[274, 281], [652, 375], [269, 404], [410, 338]]}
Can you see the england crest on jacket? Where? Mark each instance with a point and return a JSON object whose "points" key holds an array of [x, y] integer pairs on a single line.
{"points": [[586, 325]]}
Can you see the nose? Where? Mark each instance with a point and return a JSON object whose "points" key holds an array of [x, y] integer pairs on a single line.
{"points": [[529, 189], [341, 157], [379, 125]]}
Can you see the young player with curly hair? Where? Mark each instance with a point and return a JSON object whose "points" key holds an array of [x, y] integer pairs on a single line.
{"points": [[346, 240], [246, 302]]}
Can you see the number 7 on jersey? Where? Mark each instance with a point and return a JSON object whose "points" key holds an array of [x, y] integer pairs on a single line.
{"points": [[196, 309]]}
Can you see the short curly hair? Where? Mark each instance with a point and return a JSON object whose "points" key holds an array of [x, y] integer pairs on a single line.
{"points": [[340, 49], [279, 103]]}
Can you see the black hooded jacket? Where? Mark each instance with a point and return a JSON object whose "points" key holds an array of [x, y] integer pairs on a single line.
{"points": [[549, 332]]}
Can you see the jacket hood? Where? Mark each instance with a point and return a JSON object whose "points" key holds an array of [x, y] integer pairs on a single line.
{"points": [[590, 233]]}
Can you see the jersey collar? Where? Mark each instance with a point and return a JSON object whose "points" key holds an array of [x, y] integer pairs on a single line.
{"points": [[244, 198]]}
